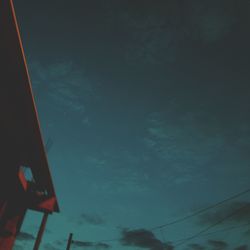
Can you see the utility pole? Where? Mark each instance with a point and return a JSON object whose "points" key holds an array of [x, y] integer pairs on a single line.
{"points": [[41, 231], [69, 241]]}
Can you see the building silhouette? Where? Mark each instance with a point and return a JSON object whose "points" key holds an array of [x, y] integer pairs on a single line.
{"points": [[22, 149]]}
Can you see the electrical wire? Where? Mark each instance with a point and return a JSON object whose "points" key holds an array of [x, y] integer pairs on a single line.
{"points": [[201, 210], [212, 226], [220, 231], [228, 229], [202, 232]]}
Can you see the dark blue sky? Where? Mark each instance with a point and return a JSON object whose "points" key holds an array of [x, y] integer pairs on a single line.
{"points": [[147, 105]]}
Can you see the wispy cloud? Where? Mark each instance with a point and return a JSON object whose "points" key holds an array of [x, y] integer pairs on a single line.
{"points": [[218, 244], [196, 247], [242, 247], [78, 243], [92, 219], [49, 246], [242, 214], [142, 238], [193, 147], [64, 85], [23, 236], [90, 245]]}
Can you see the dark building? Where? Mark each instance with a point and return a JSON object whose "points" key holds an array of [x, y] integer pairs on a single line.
{"points": [[21, 144]]}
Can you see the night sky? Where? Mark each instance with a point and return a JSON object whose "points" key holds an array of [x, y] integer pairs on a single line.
{"points": [[146, 108]]}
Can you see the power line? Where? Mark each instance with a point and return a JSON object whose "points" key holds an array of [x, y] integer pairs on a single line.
{"points": [[201, 210], [211, 226], [202, 232], [202, 235], [227, 229], [220, 231]]}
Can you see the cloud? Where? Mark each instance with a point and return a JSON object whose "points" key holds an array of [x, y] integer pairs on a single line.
{"points": [[92, 219], [182, 145], [196, 247], [22, 236], [160, 32], [213, 24], [102, 246], [247, 232], [217, 244], [49, 246], [64, 85], [82, 243], [242, 215], [141, 238], [89, 244], [168, 246], [242, 247]]}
